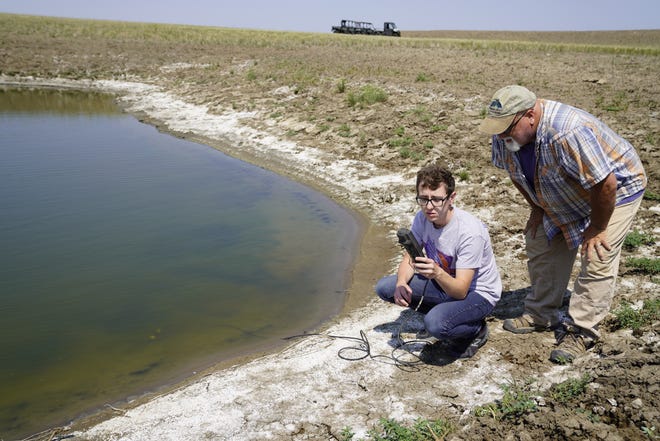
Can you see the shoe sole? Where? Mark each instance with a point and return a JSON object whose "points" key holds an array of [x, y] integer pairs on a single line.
{"points": [[518, 330], [529, 330]]}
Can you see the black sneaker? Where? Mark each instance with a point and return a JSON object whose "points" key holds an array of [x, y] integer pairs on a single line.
{"points": [[469, 349], [425, 335]]}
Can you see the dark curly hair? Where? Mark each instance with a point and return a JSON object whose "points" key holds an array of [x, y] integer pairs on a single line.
{"points": [[433, 175]]}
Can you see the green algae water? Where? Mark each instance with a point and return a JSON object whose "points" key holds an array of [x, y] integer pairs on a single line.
{"points": [[131, 259]]}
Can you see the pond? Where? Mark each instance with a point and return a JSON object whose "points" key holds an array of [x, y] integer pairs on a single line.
{"points": [[132, 259]]}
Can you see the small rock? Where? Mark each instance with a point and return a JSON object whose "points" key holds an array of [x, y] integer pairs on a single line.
{"points": [[599, 410]]}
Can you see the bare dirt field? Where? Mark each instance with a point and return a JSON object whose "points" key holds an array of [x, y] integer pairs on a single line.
{"points": [[300, 104]]}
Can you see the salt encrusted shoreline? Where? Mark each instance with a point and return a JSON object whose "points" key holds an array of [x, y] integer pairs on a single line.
{"points": [[307, 384]]}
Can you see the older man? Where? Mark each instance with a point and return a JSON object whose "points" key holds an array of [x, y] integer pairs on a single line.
{"points": [[584, 184]]}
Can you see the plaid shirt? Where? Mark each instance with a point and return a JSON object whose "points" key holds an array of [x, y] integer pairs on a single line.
{"points": [[574, 152]]}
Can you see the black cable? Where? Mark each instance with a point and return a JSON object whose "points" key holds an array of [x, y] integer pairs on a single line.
{"points": [[364, 348]]}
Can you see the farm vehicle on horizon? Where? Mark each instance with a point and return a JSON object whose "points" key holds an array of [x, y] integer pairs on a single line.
{"points": [[366, 28]]}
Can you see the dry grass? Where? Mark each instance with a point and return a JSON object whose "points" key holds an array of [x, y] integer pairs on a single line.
{"points": [[632, 38], [12, 26]]}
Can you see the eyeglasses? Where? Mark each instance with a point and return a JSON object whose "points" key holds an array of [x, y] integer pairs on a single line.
{"points": [[512, 126], [435, 201]]}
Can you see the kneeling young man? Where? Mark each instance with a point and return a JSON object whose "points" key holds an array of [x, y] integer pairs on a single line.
{"points": [[457, 285]]}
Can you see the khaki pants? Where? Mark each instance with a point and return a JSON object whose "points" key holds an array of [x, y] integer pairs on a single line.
{"points": [[550, 265]]}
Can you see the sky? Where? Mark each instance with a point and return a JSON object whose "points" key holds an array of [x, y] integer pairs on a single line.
{"points": [[320, 16]]}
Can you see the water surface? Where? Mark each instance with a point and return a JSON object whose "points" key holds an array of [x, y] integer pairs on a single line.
{"points": [[131, 258]]}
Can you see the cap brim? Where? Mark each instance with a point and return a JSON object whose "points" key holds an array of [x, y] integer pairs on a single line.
{"points": [[494, 126]]}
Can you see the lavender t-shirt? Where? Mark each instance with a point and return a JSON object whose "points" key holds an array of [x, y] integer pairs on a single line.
{"points": [[463, 243]]}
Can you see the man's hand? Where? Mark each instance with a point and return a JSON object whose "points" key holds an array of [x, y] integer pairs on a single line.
{"points": [[535, 219], [402, 295], [595, 242], [602, 200], [426, 267]]}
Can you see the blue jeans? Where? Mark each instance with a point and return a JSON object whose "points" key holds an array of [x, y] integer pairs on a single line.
{"points": [[445, 317]]}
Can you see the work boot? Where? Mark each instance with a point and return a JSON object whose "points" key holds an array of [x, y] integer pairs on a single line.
{"points": [[523, 325], [570, 345]]}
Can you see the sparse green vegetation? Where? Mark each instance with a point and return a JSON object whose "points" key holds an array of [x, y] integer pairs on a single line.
{"points": [[346, 434], [650, 432], [617, 103], [635, 239], [521, 399], [629, 318], [344, 131], [651, 196], [569, 389], [423, 114], [517, 401], [341, 86], [391, 430], [646, 265], [367, 96], [406, 152], [403, 141], [422, 78]]}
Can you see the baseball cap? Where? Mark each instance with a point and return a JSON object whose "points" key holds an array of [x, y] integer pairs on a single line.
{"points": [[504, 106]]}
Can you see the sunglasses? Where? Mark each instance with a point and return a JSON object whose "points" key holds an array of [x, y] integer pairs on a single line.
{"points": [[512, 126]]}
